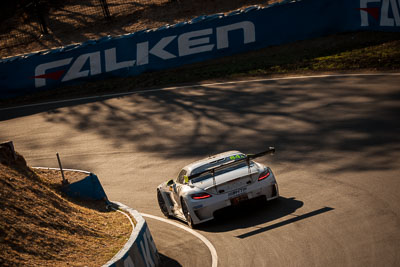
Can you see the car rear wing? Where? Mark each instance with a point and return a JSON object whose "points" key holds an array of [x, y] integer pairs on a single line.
{"points": [[270, 151]]}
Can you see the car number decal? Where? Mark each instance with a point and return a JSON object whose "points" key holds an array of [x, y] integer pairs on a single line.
{"points": [[237, 192]]}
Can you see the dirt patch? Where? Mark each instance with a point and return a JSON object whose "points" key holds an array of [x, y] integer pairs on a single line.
{"points": [[40, 226], [55, 176]]}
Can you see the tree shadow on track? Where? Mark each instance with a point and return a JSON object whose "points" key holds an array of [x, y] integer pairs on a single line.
{"points": [[166, 261], [301, 118]]}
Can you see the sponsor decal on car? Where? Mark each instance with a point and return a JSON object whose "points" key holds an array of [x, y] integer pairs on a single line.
{"points": [[240, 156]]}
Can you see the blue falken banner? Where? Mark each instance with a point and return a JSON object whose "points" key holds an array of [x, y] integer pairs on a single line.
{"points": [[200, 39]]}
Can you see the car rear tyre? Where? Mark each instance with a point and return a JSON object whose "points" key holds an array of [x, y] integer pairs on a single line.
{"points": [[187, 215], [161, 203]]}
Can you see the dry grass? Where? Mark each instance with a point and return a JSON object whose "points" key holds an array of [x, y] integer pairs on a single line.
{"points": [[39, 226]]}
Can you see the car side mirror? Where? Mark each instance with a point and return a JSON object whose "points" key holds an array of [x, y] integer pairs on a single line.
{"points": [[170, 182]]}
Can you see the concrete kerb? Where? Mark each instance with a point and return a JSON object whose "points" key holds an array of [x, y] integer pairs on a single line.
{"points": [[139, 222], [58, 169], [140, 249], [148, 254]]}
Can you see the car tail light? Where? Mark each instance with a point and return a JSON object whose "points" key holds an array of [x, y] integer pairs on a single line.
{"points": [[264, 175], [201, 196]]}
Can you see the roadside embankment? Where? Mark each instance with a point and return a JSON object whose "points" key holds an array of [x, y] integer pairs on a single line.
{"points": [[39, 225]]}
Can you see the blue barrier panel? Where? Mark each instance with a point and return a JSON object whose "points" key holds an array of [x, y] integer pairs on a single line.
{"points": [[142, 252], [88, 188], [201, 39]]}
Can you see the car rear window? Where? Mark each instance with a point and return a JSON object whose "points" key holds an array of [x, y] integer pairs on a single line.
{"points": [[219, 172], [217, 162]]}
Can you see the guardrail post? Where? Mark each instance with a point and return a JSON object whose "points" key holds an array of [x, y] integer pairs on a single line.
{"points": [[40, 15], [64, 181], [106, 11]]}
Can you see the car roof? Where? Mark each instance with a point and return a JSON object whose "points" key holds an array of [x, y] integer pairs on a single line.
{"points": [[189, 168]]}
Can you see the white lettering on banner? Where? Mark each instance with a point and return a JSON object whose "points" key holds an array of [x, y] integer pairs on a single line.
{"points": [[385, 20], [249, 33], [363, 13], [188, 46], [128, 262], [146, 251], [41, 70], [385, 8], [188, 43], [75, 71], [111, 61], [157, 50]]}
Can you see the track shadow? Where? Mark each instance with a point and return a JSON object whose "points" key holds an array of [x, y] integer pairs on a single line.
{"points": [[166, 261], [286, 222], [51, 107], [251, 213], [349, 115]]}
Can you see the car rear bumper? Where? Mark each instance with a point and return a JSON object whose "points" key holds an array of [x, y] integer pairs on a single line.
{"points": [[203, 210]]}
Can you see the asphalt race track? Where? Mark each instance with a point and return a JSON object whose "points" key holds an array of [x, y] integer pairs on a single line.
{"points": [[337, 163]]}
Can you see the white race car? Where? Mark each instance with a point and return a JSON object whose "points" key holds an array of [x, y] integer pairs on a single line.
{"points": [[214, 183]]}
